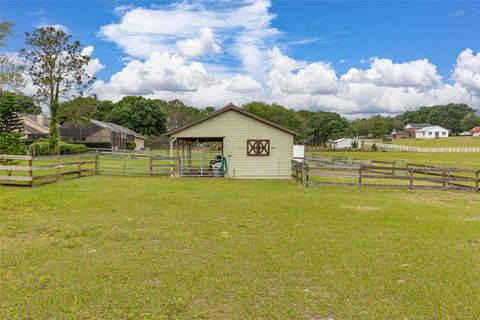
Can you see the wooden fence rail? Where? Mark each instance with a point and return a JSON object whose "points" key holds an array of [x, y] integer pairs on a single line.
{"points": [[31, 171], [326, 170]]}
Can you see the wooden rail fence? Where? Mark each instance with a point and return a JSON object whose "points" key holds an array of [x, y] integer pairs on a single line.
{"points": [[339, 171], [33, 171]]}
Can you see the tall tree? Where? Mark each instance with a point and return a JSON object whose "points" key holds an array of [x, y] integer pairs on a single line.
{"points": [[10, 117], [26, 104], [77, 109], [10, 73], [179, 114], [378, 126], [57, 68], [360, 127], [139, 114], [10, 127], [103, 109], [278, 114], [328, 125], [469, 121]]}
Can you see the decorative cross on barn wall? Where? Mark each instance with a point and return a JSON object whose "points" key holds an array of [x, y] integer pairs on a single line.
{"points": [[258, 147]]}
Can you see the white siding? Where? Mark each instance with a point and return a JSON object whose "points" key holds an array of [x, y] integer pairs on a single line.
{"points": [[432, 133], [347, 143]]}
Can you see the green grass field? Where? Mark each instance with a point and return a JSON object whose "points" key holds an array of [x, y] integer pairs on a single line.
{"points": [[153, 248], [462, 159], [450, 142]]}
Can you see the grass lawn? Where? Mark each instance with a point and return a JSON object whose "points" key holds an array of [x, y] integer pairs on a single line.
{"points": [[153, 248], [462, 159], [450, 142]]}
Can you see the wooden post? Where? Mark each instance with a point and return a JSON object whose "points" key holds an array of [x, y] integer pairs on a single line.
{"points": [[444, 180], [97, 164], [447, 182], [360, 176], [124, 163], [59, 163], [307, 178], [476, 181], [411, 177], [393, 168], [150, 167], [30, 171], [172, 140], [406, 168], [302, 172], [79, 163]]}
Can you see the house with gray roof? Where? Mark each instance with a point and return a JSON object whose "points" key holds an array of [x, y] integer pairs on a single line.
{"points": [[100, 131], [414, 127]]}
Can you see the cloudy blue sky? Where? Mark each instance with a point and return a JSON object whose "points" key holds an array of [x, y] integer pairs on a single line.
{"points": [[355, 58]]}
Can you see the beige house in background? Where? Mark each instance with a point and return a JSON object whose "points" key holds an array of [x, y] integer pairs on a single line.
{"points": [[254, 148], [35, 126]]}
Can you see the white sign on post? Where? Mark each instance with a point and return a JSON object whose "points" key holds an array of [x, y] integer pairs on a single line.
{"points": [[298, 151]]}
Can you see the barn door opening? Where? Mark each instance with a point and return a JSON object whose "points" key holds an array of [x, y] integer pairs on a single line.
{"points": [[201, 157]]}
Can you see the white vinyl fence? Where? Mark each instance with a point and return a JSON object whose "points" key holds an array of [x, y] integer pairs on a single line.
{"points": [[397, 147]]}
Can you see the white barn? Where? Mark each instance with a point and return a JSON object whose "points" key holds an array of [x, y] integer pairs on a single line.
{"points": [[432, 132], [342, 143]]}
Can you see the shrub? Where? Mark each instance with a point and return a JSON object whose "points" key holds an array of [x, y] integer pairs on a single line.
{"points": [[374, 147], [94, 145], [39, 148], [70, 148], [131, 145], [29, 142], [10, 143], [42, 148]]}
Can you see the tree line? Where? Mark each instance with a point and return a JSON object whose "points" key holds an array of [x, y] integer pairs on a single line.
{"points": [[56, 66], [154, 117]]}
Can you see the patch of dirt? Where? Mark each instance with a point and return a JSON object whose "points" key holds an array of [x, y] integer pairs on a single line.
{"points": [[445, 199], [473, 219]]}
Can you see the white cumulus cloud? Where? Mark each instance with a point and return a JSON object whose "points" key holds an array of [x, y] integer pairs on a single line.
{"points": [[243, 84], [197, 47], [467, 70], [160, 72], [244, 31], [94, 65], [289, 76], [418, 73]]}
